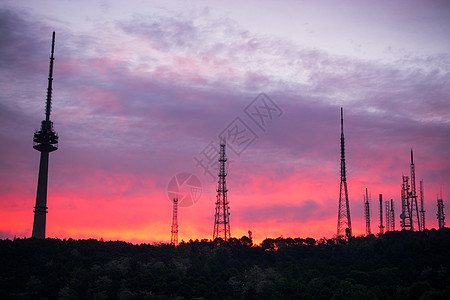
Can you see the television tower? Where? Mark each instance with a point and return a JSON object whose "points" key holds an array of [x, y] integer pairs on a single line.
{"points": [[174, 236], [367, 213], [422, 210], [344, 225], [45, 141], [222, 216], [381, 214], [413, 195], [440, 212]]}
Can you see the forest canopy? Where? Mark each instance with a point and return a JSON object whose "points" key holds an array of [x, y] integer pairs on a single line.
{"points": [[394, 265]]}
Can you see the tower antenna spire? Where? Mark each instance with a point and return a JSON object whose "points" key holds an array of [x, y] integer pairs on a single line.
{"points": [[413, 196], [48, 106], [45, 141], [344, 226]]}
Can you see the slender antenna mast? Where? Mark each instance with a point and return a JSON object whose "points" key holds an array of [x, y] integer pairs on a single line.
{"points": [[174, 236], [440, 212], [392, 216], [381, 214], [344, 226], [413, 195], [367, 213], [48, 106], [387, 218], [422, 210]]}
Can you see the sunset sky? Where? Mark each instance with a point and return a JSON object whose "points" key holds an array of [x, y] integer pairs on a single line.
{"points": [[142, 89]]}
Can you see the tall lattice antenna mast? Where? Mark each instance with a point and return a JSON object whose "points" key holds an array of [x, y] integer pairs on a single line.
{"points": [[45, 141], [367, 213], [387, 218], [174, 235], [440, 212], [422, 210], [413, 196], [392, 216], [222, 216], [344, 225], [381, 214]]}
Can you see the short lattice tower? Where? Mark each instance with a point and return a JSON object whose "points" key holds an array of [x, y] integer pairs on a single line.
{"points": [[174, 232]]}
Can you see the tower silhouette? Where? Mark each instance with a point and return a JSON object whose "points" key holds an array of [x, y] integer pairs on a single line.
{"points": [[392, 216], [344, 225], [406, 222], [222, 216], [174, 236], [440, 212], [422, 210], [367, 213], [413, 196], [381, 214], [387, 218], [45, 141]]}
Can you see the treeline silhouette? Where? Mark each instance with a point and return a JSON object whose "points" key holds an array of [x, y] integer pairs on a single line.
{"points": [[396, 265]]}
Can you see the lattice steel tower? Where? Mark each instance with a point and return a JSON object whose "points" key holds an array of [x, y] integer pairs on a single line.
{"points": [[387, 218], [422, 210], [381, 214], [222, 216], [174, 235], [344, 225], [392, 216], [367, 213], [440, 212], [45, 141], [413, 196], [406, 215]]}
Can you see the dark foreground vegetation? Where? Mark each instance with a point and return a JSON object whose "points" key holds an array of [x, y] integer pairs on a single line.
{"points": [[397, 265]]}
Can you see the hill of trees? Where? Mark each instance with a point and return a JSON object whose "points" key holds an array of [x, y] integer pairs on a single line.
{"points": [[396, 265]]}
